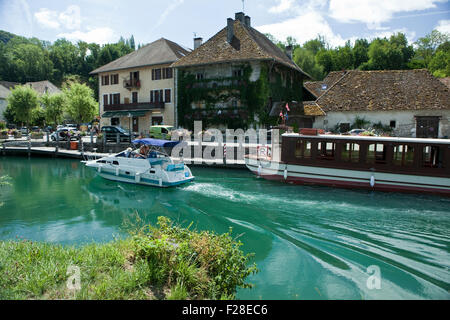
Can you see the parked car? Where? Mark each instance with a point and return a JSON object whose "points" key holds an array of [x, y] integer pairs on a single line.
{"points": [[64, 134], [161, 132], [35, 129], [110, 132], [71, 126], [24, 130], [356, 132]]}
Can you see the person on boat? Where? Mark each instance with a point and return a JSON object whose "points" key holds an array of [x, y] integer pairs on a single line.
{"points": [[143, 151]]}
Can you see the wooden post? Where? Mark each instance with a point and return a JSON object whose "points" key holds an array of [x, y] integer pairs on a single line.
{"points": [[29, 145], [80, 145], [57, 143]]}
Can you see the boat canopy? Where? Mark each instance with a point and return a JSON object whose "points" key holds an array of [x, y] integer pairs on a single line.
{"points": [[157, 142]]}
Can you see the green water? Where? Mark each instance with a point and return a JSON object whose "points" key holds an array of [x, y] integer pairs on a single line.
{"points": [[309, 242]]}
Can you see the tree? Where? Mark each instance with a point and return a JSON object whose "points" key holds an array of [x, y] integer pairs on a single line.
{"points": [[324, 58], [360, 52], [54, 107], [38, 116], [22, 101], [343, 58], [9, 115], [440, 64], [315, 45], [305, 60], [81, 105]]}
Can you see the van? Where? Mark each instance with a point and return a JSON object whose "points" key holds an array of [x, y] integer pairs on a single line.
{"points": [[161, 132]]}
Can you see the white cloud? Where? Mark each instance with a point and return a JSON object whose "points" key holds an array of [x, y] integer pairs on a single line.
{"points": [[98, 35], [304, 27], [283, 6], [374, 12], [47, 18], [71, 18], [443, 26]]}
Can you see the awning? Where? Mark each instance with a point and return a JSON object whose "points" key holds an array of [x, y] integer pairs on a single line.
{"points": [[158, 142], [118, 114]]}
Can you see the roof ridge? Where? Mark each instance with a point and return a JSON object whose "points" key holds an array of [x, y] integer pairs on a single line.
{"points": [[334, 84]]}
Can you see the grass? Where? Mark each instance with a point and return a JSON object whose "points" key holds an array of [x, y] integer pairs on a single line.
{"points": [[164, 262]]}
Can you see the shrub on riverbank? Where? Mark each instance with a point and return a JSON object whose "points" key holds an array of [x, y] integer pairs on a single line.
{"points": [[165, 262]]}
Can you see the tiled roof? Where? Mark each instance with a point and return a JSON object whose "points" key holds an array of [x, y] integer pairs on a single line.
{"points": [[317, 88], [4, 92], [8, 84], [161, 51], [248, 44], [386, 90], [44, 87], [311, 108], [445, 81]]}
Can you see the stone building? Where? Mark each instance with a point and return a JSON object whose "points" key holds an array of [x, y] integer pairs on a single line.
{"points": [[137, 90], [411, 102], [234, 79]]}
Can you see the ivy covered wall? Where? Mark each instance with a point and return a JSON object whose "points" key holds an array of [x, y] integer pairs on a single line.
{"points": [[233, 100]]}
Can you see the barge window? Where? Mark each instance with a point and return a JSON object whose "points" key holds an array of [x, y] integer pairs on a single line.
{"points": [[431, 157], [303, 149], [403, 155], [376, 153], [350, 152], [325, 150]]}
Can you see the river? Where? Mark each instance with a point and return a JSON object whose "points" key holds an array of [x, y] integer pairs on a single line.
{"points": [[309, 242]]}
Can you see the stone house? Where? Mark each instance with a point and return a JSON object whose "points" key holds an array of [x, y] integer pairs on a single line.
{"points": [[235, 78], [40, 87], [4, 93], [412, 102], [137, 90]]}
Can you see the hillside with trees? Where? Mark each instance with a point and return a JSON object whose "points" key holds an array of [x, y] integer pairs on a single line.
{"points": [[317, 58], [30, 59]]}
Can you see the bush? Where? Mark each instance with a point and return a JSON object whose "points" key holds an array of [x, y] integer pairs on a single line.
{"points": [[165, 262], [198, 264]]}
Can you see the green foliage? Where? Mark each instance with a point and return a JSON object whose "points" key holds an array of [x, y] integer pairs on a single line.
{"points": [[22, 101], [253, 95], [23, 60], [305, 59], [165, 262], [360, 123], [80, 102], [440, 64], [203, 263], [38, 116], [54, 107]]}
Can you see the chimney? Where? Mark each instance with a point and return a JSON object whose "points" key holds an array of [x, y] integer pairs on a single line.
{"points": [[289, 51], [230, 30], [240, 16], [197, 42], [247, 21]]}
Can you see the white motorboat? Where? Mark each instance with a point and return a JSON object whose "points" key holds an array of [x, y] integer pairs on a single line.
{"points": [[149, 165]]}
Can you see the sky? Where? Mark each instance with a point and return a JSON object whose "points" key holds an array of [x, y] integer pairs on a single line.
{"points": [[105, 21]]}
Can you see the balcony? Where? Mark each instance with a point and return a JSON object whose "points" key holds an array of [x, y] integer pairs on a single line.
{"points": [[134, 106], [132, 84]]}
